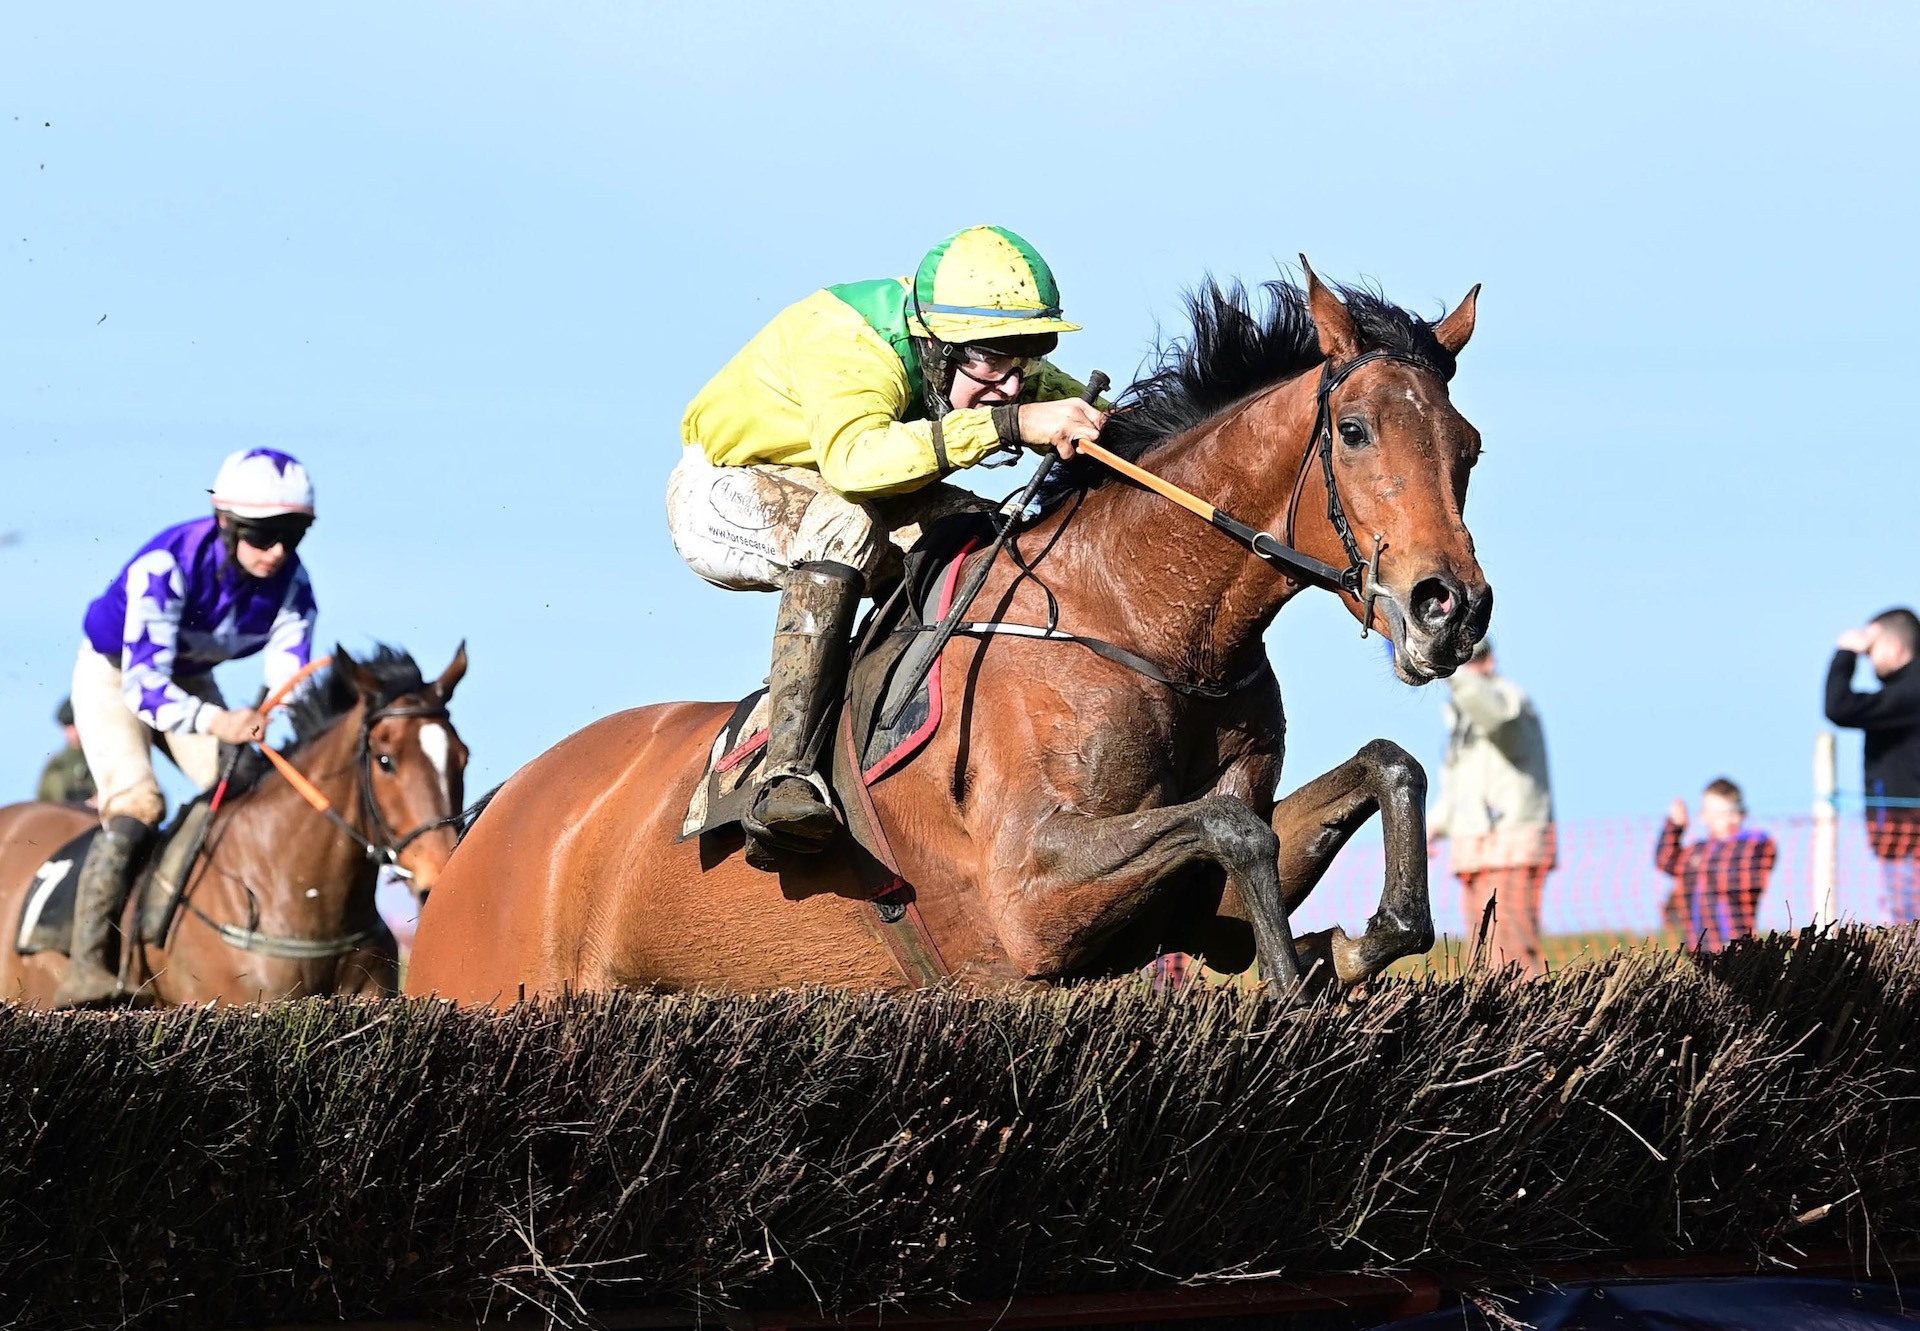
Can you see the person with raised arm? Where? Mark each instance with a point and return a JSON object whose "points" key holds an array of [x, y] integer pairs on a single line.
{"points": [[1890, 718]]}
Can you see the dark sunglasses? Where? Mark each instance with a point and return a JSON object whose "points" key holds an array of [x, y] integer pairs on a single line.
{"points": [[266, 535]]}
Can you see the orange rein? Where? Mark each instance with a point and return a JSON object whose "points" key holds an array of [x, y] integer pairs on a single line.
{"points": [[306, 789], [1140, 475]]}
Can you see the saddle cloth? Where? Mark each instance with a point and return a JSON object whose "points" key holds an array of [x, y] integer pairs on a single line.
{"points": [[46, 918], [891, 646]]}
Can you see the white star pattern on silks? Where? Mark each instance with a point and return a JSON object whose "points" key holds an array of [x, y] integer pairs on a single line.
{"points": [[155, 593], [180, 607]]}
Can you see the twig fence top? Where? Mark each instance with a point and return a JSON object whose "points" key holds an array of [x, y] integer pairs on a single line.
{"points": [[840, 1152]]}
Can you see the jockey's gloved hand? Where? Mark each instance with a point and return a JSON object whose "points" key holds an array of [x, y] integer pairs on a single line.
{"points": [[239, 725], [1060, 425]]}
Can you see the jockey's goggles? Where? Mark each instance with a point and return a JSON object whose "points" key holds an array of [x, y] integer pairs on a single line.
{"points": [[265, 534], [984, 365]]}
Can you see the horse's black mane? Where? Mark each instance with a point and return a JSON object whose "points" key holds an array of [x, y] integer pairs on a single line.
{"points": [[1238, 345], [324, 699]]}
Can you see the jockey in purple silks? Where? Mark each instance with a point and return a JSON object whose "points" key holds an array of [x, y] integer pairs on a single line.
{"points": [[214, 589]]}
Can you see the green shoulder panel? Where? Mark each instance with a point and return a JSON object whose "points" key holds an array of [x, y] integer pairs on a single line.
{"points": [[882, 306]]}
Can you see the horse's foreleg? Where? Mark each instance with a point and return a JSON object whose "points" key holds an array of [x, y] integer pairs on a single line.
{"points": [[1074, 880], [1315, 821]]}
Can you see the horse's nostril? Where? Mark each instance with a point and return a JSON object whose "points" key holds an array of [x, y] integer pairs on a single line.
{"points": [[1435, 601], [1480, 615]]}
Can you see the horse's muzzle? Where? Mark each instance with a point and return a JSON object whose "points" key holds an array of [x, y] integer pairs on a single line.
{"points": [[1444, 620]]}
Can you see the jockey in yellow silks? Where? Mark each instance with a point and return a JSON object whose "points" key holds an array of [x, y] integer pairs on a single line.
{"points": [[820, 448]]}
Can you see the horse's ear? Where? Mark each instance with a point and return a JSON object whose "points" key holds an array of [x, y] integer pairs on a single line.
{"points": [[442, 688], [1454, 330], [1339, 340], [363, 679]]}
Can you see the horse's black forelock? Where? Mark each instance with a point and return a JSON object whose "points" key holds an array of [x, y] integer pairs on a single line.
{"points": [[325, 698], [1238, 343]]}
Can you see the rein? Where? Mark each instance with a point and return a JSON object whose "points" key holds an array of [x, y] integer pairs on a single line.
{"points": [[385, 851], [1360, 579], [1111, 651]]}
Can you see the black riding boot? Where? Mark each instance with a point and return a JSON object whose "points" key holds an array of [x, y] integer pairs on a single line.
{"points": [[93, 966], [792, 813]]}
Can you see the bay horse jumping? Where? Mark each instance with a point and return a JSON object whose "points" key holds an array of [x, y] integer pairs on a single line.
{"points": [[280, 903], [1072, 817]]}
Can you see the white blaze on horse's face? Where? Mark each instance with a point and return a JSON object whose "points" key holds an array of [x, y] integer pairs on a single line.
{"points": [[424, 799], [437, 744]]}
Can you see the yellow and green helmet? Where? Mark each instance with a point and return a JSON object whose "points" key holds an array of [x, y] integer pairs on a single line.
{"points": [[982, 284]]}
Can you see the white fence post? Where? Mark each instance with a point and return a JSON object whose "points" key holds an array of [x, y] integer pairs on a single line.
{"points": [[1826, 832]]}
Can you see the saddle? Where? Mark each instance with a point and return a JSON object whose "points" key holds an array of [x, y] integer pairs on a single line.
{"points": [[46, 917], [891, 644]]}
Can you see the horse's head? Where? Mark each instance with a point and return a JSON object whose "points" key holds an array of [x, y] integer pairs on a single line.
{"points": [[1401, 458], [414, 765]]}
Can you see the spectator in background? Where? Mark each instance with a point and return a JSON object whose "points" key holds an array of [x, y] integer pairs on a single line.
{"points": [[397, 907], [1718, 881], [1496, 806], [65, 779], [1891, 719]]}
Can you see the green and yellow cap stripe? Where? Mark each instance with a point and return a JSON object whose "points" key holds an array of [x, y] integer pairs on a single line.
{"points": [[983, 283]]}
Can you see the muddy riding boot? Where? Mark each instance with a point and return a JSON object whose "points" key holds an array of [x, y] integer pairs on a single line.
{"points": [[792, 812], [93, 968]]}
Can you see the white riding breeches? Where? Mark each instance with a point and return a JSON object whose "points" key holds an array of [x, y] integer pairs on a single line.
{"points": [[119, 745], [744, 528]]}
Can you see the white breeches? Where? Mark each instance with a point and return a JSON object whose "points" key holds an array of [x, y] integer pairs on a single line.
{"points": [[745, 527], [119, 745]]}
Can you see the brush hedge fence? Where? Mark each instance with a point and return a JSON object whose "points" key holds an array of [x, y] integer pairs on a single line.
{"points": [[836, 1151]]}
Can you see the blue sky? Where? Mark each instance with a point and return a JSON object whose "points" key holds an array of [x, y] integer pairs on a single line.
{"points": [[470, 261]]}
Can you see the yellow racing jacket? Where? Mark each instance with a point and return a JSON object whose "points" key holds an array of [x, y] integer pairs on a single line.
{"points": [[833, 383]]}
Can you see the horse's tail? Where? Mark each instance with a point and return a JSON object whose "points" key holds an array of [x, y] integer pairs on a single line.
{"points": [[471, 814]]}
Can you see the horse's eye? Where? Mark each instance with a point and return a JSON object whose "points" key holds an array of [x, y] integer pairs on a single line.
{"points": [[1354, 433], [386, 763]]}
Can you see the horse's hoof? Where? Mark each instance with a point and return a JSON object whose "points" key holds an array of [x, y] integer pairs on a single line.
{"points": [[1328, 960]]}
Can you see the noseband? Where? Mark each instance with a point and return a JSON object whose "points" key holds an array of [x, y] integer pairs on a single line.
{"points": [[1361, 580]]}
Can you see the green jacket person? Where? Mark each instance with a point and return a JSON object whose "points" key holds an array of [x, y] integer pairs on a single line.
{"points": [[66, 778]]}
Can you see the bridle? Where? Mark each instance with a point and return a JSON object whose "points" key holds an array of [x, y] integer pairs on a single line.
{"points": [[1361, 578], [385, 850]]}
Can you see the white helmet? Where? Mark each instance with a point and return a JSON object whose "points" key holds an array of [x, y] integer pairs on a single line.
{"points": [[262, 483]]}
